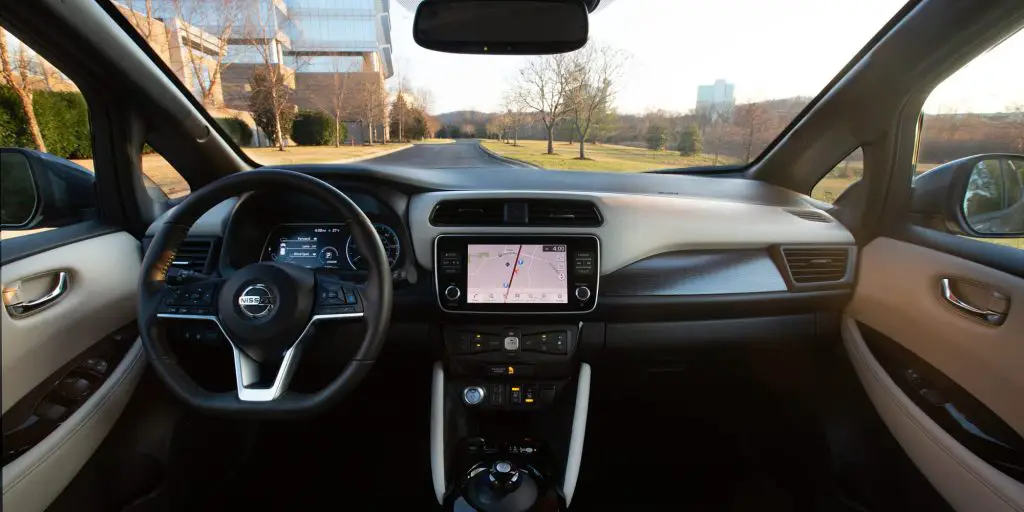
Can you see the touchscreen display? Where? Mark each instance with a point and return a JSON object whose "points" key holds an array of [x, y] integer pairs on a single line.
{"points": [[517, 274]]}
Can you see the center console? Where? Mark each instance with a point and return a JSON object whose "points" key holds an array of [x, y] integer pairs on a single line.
{"points": [[510, 396]]}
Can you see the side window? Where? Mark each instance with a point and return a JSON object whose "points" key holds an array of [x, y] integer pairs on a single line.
{"points": [[844, 174], [972, 137], [44, 138], [47, 178]]}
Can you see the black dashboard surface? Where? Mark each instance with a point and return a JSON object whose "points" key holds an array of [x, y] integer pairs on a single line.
{"points": [[512, 179]]}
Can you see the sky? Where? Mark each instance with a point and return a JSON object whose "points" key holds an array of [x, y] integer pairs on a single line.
{"points": [[776, 49]]}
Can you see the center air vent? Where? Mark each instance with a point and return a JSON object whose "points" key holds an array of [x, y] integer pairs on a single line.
{"points": [[808, 265], [192, 255], [516, 212]]}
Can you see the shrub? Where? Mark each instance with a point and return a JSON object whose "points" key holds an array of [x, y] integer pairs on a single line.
{"points": [[63, 119], [690, 141], [239, 132], [656, 137], [313, 128]]}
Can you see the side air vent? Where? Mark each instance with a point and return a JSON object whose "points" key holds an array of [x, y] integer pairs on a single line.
{"points": [[562, 213], [192, 255], [811, 215], [808, 265], [516, 212]]}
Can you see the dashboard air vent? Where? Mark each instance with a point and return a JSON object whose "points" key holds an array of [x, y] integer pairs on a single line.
{"points": [[816, 264], [563, 213], [811, 215], [192, 255], [516, 212], [468, 212]]}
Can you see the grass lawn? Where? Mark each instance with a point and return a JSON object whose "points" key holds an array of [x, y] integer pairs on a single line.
{"points": [[603, 157]]}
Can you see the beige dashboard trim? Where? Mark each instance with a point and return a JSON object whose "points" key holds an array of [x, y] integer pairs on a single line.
{"points": [[964, 480], [638, 226], [31, 482]]}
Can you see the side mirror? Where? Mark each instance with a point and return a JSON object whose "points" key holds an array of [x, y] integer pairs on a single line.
{"points": [[981, 196], [38, 190]]}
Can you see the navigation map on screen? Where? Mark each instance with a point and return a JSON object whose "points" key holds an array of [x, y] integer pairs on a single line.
{"points": [[517, 274]]}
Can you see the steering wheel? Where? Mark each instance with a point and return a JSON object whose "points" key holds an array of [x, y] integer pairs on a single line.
{"points": [[265, 310]]}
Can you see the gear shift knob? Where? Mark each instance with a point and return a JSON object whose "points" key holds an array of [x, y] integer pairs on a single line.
{"points": [[504, 477]]}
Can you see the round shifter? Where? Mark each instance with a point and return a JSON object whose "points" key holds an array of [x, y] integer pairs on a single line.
{"points": [[583, 293], [504, 477], [501, 487], [452, 292]]}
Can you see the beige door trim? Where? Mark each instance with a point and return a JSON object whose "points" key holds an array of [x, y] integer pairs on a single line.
{"points": [[899, 294], [964, 480]]}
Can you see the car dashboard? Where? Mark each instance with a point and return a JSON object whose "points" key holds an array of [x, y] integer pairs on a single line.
{"points": [[515, 281]]}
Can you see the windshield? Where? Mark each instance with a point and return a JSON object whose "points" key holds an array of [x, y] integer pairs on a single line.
{"points": [[673, 83]]}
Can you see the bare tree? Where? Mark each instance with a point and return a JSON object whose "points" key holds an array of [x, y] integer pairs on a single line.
{"points": [[590, 77], [1017, 119], [259, 30], [335, 102], [142, 21], [515, 115], [22, 81], [542, 89], [753, 119], [219, 15], [423, 100], [370, 101]]}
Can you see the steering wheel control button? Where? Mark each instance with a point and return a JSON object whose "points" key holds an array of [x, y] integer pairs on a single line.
{"points": [[583, 293], [473, 395], [452, 292]]}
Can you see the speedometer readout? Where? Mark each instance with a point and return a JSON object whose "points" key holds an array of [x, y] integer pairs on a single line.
{"points": [[388, 238]]}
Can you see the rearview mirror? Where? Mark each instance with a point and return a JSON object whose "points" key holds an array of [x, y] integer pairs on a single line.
{"points": [[512, 27], [981, 196]]}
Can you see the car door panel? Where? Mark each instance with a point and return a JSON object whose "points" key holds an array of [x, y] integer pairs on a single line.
{"points": [[98, 298], [899, 297], [899, 294], [32, 481], [103, 273]]}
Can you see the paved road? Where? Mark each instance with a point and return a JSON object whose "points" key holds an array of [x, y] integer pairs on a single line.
{"points": [[463, 153]]}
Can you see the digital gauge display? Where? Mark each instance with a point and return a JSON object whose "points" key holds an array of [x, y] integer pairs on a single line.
{"points": [[324, 246]]}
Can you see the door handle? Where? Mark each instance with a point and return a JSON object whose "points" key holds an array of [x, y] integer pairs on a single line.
{"points": [[26, 308], [993, 314]]}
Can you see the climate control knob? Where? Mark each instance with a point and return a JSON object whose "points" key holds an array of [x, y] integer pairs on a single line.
{"points": [[583, 293], [472, 395], [452, 292]]}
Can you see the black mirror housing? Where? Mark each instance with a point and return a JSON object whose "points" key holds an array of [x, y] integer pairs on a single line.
{"points": [[509, 27], [980, 196], [59, 191]]}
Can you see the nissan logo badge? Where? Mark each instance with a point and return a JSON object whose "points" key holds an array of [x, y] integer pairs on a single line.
{"points": [[256, 301]]}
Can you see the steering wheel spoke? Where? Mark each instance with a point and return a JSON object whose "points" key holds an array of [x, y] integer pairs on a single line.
{"points": [[336, 299], [193, 301]]}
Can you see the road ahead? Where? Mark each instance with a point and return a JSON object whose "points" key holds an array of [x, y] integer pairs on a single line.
{"points": [[463, 153]]}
